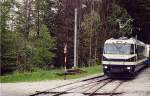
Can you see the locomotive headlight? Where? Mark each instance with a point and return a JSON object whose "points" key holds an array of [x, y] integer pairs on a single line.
{"points": [[105, 67], [128, 68]]}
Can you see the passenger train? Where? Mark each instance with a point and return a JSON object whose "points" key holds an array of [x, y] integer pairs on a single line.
{"points": [[123, 56]]}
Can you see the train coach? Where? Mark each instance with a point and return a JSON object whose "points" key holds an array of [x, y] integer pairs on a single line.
{"points": [[147, 62], [123, 57]]}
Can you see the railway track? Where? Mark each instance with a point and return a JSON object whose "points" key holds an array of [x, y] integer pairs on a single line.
{"points": [[110, 93], [88, 87]]}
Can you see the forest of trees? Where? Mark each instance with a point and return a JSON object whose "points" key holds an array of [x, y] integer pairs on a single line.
{"points": [[34, 32]]}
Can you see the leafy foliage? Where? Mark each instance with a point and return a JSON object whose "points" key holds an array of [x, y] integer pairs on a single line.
{"points": [[9, 50], [8, 40], [41, 51], [119, 13], [21, 49], [90, 25]]}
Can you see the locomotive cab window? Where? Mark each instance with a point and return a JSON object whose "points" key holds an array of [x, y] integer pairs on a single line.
{"points": [[117, 48]]}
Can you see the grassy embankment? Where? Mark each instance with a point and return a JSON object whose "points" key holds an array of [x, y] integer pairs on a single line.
{"points": [[48, 75]]}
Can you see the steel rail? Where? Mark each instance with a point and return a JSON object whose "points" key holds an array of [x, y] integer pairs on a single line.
{"points": [[87, 93], [83, 85], [90, 84], [46, 91], [109, 93], [109, 81], [97, 83], [114, 90]]}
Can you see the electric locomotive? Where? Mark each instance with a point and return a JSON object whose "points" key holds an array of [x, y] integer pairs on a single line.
{"points": [[123, 56]]}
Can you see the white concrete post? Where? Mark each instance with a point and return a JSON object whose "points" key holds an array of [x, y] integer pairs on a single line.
{"points": [[75, 39]]}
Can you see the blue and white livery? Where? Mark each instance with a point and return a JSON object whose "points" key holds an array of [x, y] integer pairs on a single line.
{"points": [[123, 56]]}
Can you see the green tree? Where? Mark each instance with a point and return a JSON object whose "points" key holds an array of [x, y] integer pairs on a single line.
{"points": [[120, 13], [29, 45], [9, 39], [42, 49], [91, 25]]}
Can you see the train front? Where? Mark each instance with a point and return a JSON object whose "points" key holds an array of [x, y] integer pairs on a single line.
{"points": [[119, 58]]}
